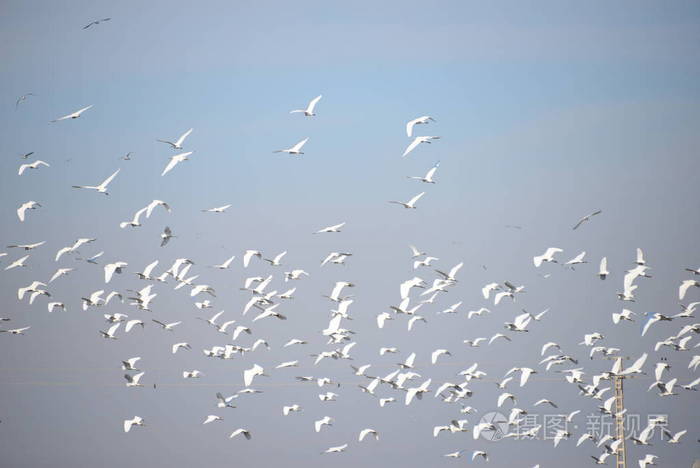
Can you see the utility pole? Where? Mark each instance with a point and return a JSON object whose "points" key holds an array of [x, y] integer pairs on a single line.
{"points": [[618, 379]]}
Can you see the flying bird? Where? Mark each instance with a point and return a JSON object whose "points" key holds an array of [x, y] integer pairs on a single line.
{"points": [[586, 218], [417, 141], [296, 149], [96, 22], [178, 143], [30, 205], [74, 115], [411, 203], [428, 177], [33, 165], [426, 119], [309, 111], [102, 188], [174, 160]]}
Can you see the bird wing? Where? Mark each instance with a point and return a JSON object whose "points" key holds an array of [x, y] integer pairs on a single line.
{"points": [[416, 141], [298, 146], [430, 173], [409, 127], [183, 136], [172, 163], [413, 200], [312, 104], [109, 179], [685, 285]]}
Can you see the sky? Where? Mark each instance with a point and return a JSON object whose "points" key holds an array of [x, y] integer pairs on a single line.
{"points": [[546, 111]]}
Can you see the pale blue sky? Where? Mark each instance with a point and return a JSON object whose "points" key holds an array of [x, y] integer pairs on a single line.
{"points": [[547, 111]]}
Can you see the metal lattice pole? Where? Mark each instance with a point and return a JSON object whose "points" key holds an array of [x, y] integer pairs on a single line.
{"points": [[621, 452]]}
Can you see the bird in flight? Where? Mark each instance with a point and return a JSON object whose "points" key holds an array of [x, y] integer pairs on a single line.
{"points": [[426, 119], [74, 115], [309, 111], [178, 143], [96, 22], [417, 141], [22, 98], [586, 218], [102, 188], [296, 149], [410, 203]]}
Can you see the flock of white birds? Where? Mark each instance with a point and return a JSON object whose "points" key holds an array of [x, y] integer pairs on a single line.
{"points": [[270, 298]]}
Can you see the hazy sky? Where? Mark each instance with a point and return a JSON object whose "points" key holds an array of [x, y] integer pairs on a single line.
{"points": [[546, 112]]}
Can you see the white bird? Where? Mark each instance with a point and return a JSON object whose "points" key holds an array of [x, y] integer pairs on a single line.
{"points": [[603, 269], [636, 367], [218, 209], [133, 380], [417, 392], [174, 160], [425, 262], [178, 143], [250, 374], [365, 432], [577, 259], [226, 264], [437, 353], [561, 435], [131, 323], [425, 119], [309, 111], [130, 363], [166, 235], [74, 115], [428, 177], [250, 254], [453, 272], [224, 402], [410, 203], [337, 258], [101, 188], [109, 334], [384, 401], [480, 453], [334, 228], [135, 222], [276, 261], [111, 268], [193, 374], [415, 252], [178, 346], [245, 433], [287, 364], [685, 285], [289, 409], [382, 318], [474, 343], [647, 460], [674, 438], [624, 315], [478, 313], [548, 256], [417, 141], [212, 418], [296, 149], [415, 319], [136, 421], [325, 421], [53, 305], [640, 257], [30, 205], [586, 218], [16, 331], [338, 449], [35, 165], [155, 203]]}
